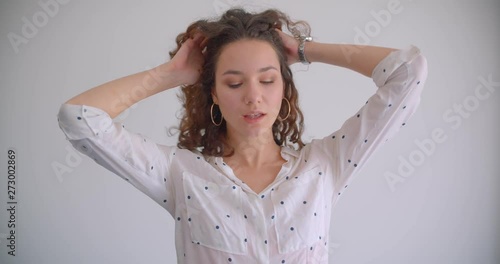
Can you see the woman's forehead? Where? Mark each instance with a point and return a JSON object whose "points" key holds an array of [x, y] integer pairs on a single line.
{"points": [[247, 56]]}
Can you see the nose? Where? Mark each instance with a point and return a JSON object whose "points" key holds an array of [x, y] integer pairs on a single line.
{"points": [[253, 93]]}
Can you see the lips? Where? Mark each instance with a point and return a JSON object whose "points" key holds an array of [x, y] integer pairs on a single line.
{"points": [[253, 116]]}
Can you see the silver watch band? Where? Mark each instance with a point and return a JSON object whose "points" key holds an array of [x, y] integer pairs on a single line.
{"points": [[302, 55]]}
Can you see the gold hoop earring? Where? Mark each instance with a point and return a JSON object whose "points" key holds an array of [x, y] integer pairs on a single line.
{"points": [[212, 116], [289, 110]]}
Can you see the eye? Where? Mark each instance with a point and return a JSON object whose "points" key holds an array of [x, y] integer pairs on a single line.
{"points": [[234, 85], [268, 82]]}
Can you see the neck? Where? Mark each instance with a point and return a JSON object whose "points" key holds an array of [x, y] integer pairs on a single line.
{"points": [[254, 151]]}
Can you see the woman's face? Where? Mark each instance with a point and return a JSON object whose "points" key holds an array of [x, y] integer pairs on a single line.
{"points": [[248, 87]]}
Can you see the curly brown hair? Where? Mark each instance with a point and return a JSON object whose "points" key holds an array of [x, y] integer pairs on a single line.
{"points": [[197, 132]]}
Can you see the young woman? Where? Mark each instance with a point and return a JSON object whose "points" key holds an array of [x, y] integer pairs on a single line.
{"points": [[241, 185]]}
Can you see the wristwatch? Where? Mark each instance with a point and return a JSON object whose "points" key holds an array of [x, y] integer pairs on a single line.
{"points": [[302, 55]]}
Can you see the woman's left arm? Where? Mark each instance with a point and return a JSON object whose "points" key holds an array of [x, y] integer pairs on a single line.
{"points": [[359, 58], [399, 75]]}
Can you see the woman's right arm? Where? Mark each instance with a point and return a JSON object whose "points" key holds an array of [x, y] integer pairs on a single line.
{"points": [[116, 96], [87, 122]]}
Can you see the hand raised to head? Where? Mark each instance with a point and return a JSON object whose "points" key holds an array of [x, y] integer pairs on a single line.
{"points": [[291, 47], [189, 59]]}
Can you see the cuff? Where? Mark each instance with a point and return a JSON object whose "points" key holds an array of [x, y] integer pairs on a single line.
{"points": [[82, 121], [391, 62]]}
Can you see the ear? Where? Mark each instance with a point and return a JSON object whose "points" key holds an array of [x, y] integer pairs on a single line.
{"points": [[214, 96]]}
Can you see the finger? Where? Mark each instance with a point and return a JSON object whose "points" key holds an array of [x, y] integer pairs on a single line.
{"points": [[198, 39], [198, 35], [203, 43], [280, 32]]}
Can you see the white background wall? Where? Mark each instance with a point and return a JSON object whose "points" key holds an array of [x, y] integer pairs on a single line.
{"points": [[444, 209]]}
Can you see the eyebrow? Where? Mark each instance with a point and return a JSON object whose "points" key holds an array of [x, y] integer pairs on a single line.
{"points": [[240, 73]]}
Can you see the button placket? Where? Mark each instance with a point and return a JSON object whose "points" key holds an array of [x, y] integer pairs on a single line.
{"points": [[261, 241]]}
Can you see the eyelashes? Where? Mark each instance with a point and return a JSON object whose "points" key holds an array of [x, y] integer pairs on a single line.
{"points": [[236, 85]]}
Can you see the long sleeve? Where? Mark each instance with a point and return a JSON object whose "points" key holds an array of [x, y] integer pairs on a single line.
{"points": [[400, 77], [133, 157]]}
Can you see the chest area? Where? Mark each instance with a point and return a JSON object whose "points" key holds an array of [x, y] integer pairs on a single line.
{"points": [[217, 211], [258, 179]]}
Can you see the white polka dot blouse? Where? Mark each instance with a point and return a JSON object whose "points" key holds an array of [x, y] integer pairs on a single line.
{"points": [[218, 218]]}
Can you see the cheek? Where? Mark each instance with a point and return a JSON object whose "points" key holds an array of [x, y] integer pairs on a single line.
{"points": [[228, 107], [227, 103], [277, 97], [277, 104]]}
